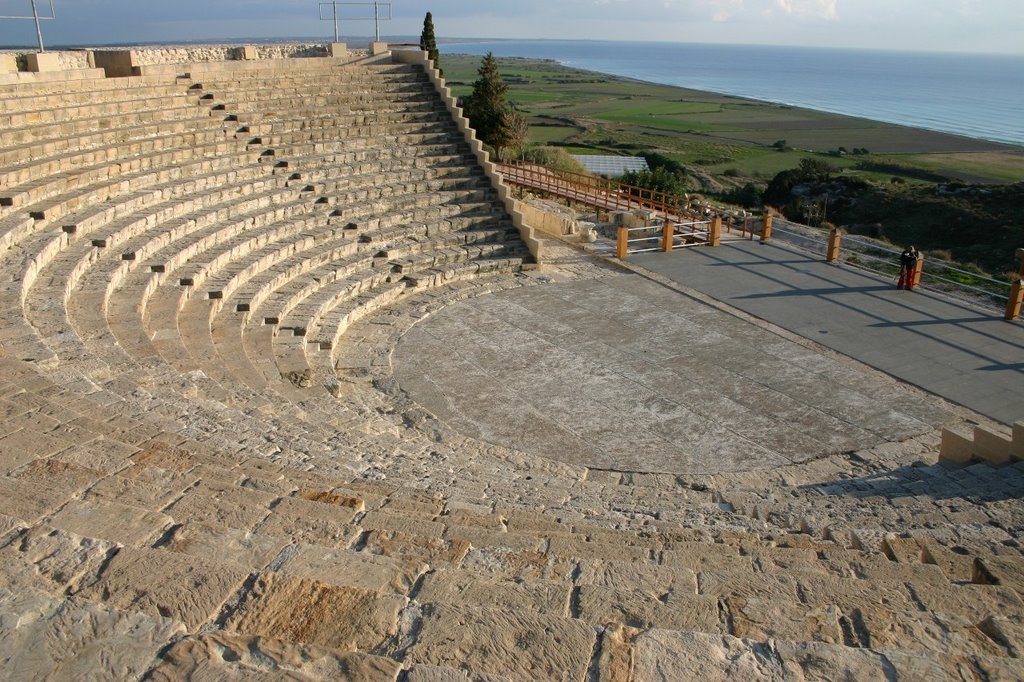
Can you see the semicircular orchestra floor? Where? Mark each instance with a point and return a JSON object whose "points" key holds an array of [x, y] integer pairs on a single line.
{"points": [[624, 374]]}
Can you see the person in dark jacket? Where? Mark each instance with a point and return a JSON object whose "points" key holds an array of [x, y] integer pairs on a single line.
{"points": [[908, 264]]}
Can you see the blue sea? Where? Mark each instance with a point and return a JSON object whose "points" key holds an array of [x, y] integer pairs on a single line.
{"points": [[979, 96]]}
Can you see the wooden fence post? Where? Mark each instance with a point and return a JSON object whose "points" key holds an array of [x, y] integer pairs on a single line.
{"points": [[1013, 304], [715, 232], [915, 276], [834, 240], [622, 243], [667, 234], [766, 227]]}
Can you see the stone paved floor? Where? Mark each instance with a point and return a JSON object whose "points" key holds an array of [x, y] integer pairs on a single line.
{"points": [[962, 353], [625, 374]]}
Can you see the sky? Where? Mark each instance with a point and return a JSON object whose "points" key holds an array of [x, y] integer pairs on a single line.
{"points": [[986, 26]]}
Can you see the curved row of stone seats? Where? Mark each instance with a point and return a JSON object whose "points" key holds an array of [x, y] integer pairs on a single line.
{"points": [[29, 118], [115, 274], [104, 126], [187, 191], [144, 142], [150, 192], [100, 260], [56, 185], [166, 266]]}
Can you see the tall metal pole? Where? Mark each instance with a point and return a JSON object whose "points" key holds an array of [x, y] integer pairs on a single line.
{"points": [[334, 6], [376, 20], [39, 30]]}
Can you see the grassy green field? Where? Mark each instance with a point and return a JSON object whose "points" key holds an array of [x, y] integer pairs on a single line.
{"points": [[597, 113]]}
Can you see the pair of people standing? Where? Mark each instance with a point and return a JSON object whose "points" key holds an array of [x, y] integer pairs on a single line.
{"points": [[908, 268]]}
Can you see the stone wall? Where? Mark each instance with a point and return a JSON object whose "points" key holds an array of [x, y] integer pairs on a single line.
{"points": [[547, 220], [179, 54], [66, 59]]}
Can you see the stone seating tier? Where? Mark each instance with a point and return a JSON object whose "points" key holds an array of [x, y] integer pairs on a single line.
{"points": [[42, 97], [68, 110], [65, 154]]}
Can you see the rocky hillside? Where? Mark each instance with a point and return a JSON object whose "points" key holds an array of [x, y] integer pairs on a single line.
{"points": [[977, 224]]}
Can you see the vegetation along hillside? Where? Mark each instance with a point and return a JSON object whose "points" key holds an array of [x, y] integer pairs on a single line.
{"points": [[941, 192]]}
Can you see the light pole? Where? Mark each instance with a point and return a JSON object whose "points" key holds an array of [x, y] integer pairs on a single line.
{"points": [[39, 29]]}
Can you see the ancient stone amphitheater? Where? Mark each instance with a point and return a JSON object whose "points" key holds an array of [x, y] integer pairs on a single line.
{"points": [[228, 452]]}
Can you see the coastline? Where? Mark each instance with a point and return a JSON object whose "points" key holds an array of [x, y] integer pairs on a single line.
{"points": [[744, 123], [935, 108]]}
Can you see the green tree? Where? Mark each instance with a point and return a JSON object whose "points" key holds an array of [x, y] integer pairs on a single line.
{"points": [[489, 113], [513, 132], [429, 43], [659, 180]]}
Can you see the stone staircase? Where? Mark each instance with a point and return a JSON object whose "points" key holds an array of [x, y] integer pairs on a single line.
{"points": [[207, 468]]}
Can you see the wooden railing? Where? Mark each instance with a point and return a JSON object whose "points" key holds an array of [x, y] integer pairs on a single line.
{"points": [[598, 192], [673, 221]]}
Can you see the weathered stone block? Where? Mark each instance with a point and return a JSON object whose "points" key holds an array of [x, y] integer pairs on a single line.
{"points": [[226, 506], [354, 569], [187, 588], [1018, 440], [115, 63], [879, 628], [956, 447], [239, 548], [431, 551], [111, 520], [759, 619], [667, 656], [515, 644], [53, 560], [311, 612], [43, 61], [456, 587], [310, 522], [30, 501], [601, 605], [222, 655], [51, 638], [992, 446]]}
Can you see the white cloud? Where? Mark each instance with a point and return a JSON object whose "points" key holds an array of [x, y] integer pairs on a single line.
{"points": [[955, 25]]}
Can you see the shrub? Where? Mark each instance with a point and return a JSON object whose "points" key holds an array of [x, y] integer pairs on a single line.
{"points": [[552, 157]]}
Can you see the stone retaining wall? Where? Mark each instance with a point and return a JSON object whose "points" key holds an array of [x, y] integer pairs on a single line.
{"points": [[177, 54]]}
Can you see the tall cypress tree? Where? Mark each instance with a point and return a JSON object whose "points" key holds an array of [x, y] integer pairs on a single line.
{"points": [[490, 114], [429, 43], [486, 104]]}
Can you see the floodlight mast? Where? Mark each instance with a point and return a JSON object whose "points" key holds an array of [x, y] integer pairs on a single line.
{"points": [[35, 17], [39, 29], [377, 18]]}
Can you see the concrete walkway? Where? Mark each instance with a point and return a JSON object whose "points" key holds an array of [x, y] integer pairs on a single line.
{"points": [[962, 353]]}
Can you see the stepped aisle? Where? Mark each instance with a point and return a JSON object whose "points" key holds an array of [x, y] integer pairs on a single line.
{"points": [[284, 394]]}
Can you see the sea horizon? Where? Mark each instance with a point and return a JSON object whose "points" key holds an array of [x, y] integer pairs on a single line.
{"points": [[980, 96]]}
